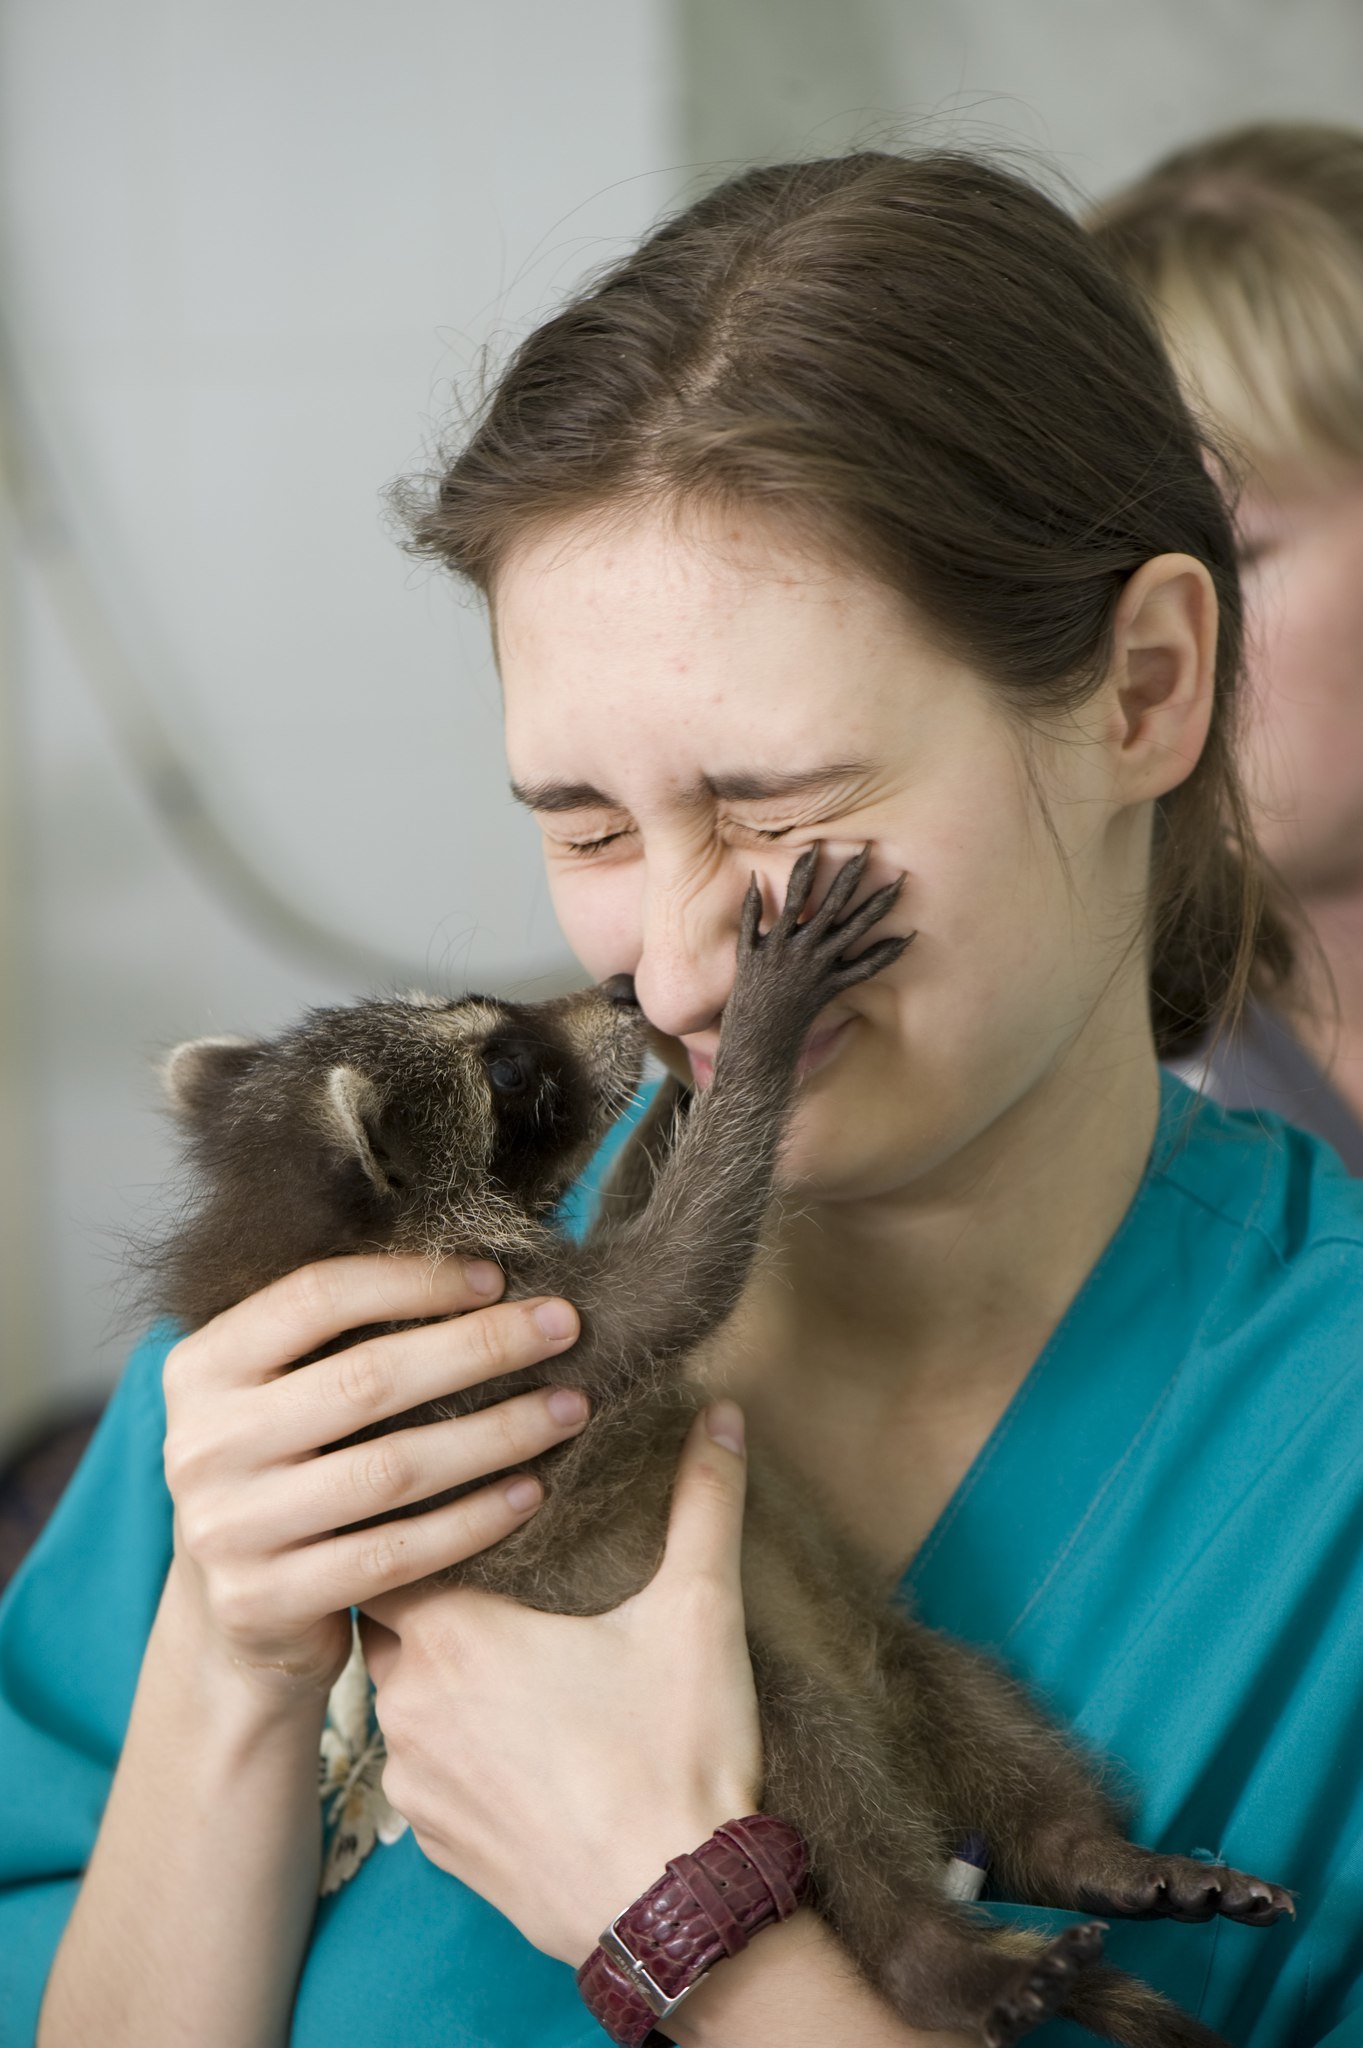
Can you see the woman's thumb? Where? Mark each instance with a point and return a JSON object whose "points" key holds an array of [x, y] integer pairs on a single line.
{"points": [[706, 1525]]}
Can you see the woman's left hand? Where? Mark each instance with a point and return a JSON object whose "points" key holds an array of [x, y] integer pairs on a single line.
{"points": [[555, 1763]]}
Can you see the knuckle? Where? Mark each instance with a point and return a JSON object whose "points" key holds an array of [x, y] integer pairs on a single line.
{"points": [[364, 1379], [382, 1557], [466, 1526], [484, 1333], [177, 1367], [307, 1297], [384, 1472], [394, 1783], [704, 1599], [186, 1460], [514, 1426], [712, 1482], [234, 1598], [204, 1529]]}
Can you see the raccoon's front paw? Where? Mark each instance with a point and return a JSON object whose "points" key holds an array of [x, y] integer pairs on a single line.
{"points": [[787, 975]]}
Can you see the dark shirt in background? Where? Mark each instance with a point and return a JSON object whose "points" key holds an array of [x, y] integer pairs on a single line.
{"points": [[1264, 1067]]}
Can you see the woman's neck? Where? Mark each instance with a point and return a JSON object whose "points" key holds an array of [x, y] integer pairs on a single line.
{"points": [[881, 1339], [1330, 1022], [946, 1273]]}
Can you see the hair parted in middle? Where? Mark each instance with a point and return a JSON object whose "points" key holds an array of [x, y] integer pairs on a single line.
{"points": [[922, 366]]}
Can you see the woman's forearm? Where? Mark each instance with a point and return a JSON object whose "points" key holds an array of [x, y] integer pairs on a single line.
{"points": [[195, 1911], [796, 1987]]}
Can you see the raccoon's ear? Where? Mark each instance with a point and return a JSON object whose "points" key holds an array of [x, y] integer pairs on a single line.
{"points": [[352, 1107], [198, 1075]]}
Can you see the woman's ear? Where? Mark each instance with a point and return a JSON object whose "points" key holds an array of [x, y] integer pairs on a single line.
{"points": [[1162, 675]]}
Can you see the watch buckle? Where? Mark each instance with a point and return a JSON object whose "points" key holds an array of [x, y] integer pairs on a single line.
{"points": [[652, 1993]]}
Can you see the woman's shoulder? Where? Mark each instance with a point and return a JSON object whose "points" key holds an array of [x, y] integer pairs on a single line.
{"points": [[82, 1601], [73, 1625], [1247, 1174]]}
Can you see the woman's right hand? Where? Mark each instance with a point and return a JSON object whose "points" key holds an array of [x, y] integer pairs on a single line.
{"points": [[258, 1498]]}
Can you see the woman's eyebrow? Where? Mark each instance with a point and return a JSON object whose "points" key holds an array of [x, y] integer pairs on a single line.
{"points": [[753, 788], [561, 796], [736, 788]]}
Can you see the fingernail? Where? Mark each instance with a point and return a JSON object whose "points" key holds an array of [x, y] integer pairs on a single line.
{"points": [[555, 1319], [566, 1404], [483, 1277], [523, 1494], [724, 1425]]}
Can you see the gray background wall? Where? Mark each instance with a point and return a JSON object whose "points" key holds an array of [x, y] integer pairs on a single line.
{"points": [[248, 253]]}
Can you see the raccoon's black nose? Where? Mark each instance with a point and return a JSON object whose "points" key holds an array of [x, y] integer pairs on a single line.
{"points": [[620, 990]]}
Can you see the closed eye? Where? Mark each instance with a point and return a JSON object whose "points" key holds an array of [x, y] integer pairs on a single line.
{"points": [[581, 846], [583, 849]]}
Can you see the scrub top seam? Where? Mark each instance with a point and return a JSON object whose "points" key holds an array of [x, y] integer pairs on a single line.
{"points": [[1095, 1506], [1041, 1368], [1353, 1239], [1102, 1493]]}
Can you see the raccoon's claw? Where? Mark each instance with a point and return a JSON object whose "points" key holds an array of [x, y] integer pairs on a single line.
{"points": [[883, 954], [797, 893], [1182, 1888], [1039, 1988], [826, 931], [786, 976], [841, 890], [750, 919]]}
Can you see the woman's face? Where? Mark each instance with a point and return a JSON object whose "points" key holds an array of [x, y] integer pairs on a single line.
{"points": [[1302, 557], [689, 704]]}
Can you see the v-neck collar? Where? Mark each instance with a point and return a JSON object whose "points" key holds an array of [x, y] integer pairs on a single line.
{"points": [[1078, 1417]]}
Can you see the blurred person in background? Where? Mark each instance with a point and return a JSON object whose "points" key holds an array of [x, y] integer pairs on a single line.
{"points": [[1249, 247]]}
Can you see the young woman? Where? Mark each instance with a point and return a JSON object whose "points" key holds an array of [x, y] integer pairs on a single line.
{"points": [[1250, 249], [858, 506]]}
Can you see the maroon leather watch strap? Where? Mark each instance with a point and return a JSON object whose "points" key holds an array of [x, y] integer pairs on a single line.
{"points": [[705, 1906]]}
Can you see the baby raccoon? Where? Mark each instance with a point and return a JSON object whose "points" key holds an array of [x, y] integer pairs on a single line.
{"points": [[455, 1127]]}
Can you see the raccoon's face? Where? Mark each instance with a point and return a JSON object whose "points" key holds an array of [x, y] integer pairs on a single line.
{"points": [[418, 1117], [555, 1078]]}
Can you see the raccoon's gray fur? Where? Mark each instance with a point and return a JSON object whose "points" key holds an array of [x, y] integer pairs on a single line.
{"points": [[455, 1127]]}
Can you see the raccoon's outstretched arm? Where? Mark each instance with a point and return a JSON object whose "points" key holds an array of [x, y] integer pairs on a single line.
{"points": [[652, 1287]]}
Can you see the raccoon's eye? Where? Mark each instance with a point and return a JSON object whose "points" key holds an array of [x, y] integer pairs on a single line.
{"points": [[507, 1075]]}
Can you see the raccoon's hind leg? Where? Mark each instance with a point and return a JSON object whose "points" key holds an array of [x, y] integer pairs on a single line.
{"points": [[950, 1972], [1056, 1836], [1121, 1878], [1052, 1976], [877, 1858]]}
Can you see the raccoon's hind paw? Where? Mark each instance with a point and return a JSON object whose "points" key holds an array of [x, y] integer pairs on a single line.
{"points": [[1038, 1988], [1182, 1888]]}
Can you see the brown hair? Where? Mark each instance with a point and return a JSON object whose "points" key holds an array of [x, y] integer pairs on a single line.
{"points": [[1249, 248], [924, 366]]}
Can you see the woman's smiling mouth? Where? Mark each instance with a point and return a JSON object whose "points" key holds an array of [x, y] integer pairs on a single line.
{"points": [[818, 1050]]}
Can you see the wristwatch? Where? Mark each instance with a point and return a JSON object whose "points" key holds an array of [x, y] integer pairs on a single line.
{"points": [[707, 1905]]}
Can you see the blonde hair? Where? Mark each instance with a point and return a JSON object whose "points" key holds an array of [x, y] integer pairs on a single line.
{"points": [[1249, 250]]}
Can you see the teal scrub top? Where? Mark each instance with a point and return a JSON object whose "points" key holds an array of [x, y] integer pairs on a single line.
{"points": [[1163, 1537]]}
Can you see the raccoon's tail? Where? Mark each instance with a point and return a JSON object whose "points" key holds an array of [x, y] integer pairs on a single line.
{"points": [[1110, 2002]]}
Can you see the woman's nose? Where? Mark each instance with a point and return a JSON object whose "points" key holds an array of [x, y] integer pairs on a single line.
{"points": [[685, 968]]}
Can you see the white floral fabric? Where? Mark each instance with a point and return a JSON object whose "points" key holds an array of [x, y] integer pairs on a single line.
{"points": [[355, 1814]]}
